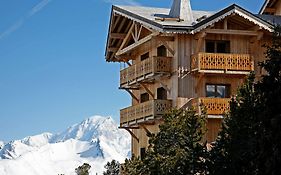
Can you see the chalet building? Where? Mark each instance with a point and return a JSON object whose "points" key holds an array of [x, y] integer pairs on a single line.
{"points": [[180, 57]]}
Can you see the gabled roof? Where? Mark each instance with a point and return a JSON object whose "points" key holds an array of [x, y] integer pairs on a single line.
{"points": [[233, 9], [155, 18], [159, 19]]}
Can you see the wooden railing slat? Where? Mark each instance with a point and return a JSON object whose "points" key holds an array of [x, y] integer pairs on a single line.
{"points": [[146, 109], [145, 67], [221, 61]]}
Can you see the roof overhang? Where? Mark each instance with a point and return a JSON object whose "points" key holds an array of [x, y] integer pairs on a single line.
{"points": [[150, 24], [229, 11], [267, 4]]}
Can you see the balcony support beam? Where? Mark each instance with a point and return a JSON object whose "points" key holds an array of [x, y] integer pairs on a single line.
{"points": [[132, 95], [147, 90], [131, 133], [163, 85], [165, 43], [145, 128]]}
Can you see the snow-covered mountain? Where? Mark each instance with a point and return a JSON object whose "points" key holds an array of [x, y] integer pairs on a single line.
{"points": [[95, 140], [1, 144]]}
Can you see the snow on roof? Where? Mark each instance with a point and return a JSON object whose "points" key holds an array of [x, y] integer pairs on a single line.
{"points": [[154, 15], [273, 19]]}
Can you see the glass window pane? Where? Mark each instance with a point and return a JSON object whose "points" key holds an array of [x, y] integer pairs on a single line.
{"points": [[221, 91], [210, 91]]}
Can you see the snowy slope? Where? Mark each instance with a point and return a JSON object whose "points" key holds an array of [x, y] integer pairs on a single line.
{"points": [[95, 141]]}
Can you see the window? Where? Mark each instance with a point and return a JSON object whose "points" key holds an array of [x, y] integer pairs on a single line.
{"points": [[161, 93], [144, 56], [161, 51], [216, 46], [142, 153], [218, 91], [144, 97]]}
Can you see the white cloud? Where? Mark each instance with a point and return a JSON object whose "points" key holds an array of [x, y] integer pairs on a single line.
{"points": [[127, 2], [37, 8]]}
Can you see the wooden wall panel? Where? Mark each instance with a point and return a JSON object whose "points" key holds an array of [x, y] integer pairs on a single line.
{"points": [[213, 128], [278, 8]]}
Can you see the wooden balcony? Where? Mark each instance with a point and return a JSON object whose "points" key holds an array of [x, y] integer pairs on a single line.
{"points": [[222, 63], [145, 71], [213, 106], [144, 112]]}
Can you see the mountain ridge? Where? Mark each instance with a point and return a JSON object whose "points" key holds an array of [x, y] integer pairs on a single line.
{"points": [[95, 140]]}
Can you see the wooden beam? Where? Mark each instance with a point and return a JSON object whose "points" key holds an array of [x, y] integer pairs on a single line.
{"points": [[132, 95], [146, 130], [112, 49], [120, 26], [270, 10], [225, 24], [115, 23], [117, 35], [200, 35], [136, 44], [168, 47], [232, 32], [131, 133], [199, 80], [164, 38], [147, 90], [126, 38], [163, 85]]}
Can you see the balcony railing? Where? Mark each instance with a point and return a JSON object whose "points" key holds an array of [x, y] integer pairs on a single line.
{"points": [[222, 63], [213, 106], [144, 111], [145, 69]]}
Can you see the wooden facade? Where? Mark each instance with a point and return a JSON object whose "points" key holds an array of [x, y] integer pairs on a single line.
{"points": [[182, 67]]}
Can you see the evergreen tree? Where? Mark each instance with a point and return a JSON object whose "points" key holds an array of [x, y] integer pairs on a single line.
{"points": [[176, 149], [135, 166], [83, 169], [235, 150], [249, 142], [269, 90], [112, 168]]}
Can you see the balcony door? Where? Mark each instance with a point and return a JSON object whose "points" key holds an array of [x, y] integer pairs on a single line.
{"points": [[217, 91], [161, 93], [162, 51], [217, 46]]}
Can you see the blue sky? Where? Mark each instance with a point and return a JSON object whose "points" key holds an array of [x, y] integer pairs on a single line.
{"points": [[52, 68]]}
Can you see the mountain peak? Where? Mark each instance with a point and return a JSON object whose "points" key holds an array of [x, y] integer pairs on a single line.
{"points": [[90, 128], [96, 140]]}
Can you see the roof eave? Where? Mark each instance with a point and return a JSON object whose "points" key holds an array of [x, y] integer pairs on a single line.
{"points": [[226, 12]]}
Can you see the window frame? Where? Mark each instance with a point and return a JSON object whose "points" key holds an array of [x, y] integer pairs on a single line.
{"points": [[216, 42], [227, 92]]}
